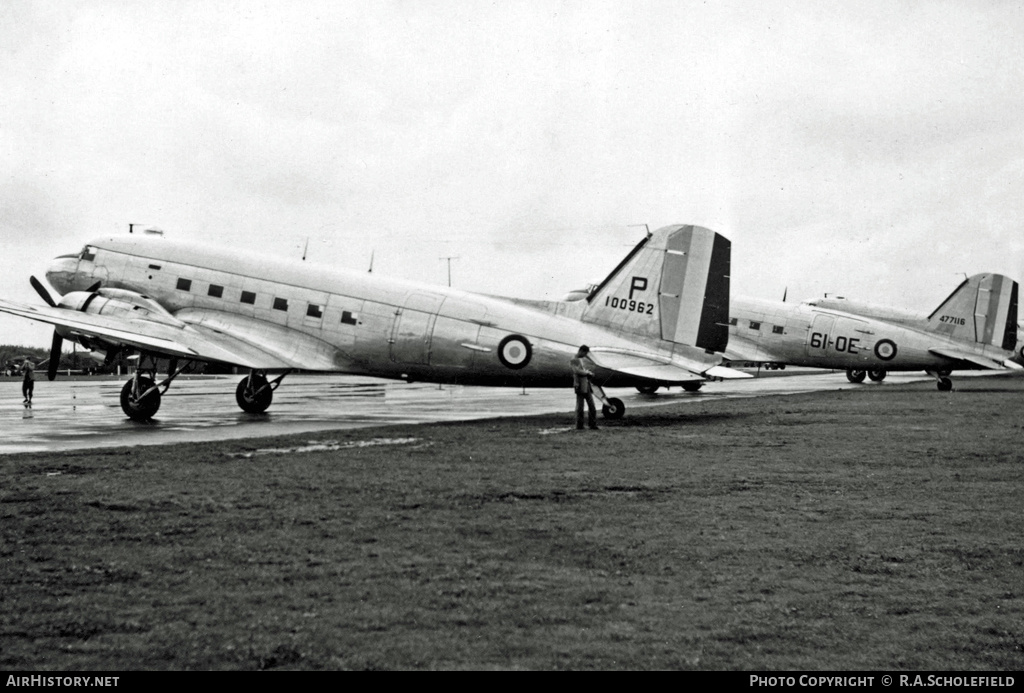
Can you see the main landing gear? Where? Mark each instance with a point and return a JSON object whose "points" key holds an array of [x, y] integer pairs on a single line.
{"points": [[857, 375], [140, 396], [691, 386], [255, 393]]}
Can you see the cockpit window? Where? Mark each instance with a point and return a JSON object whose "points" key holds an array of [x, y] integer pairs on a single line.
{"points": [[88, 253]]}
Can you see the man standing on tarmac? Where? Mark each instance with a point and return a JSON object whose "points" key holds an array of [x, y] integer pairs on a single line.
{"points": [[581, 376], [29, 381]]}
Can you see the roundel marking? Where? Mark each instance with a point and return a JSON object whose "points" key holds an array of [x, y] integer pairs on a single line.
{"points": [[886, 349], [514, 352]]}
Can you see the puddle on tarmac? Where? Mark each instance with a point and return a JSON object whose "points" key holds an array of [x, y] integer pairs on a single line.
{"points": [[325, 446]]}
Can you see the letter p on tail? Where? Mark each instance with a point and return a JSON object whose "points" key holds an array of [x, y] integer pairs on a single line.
{"points": [[673, 286]]}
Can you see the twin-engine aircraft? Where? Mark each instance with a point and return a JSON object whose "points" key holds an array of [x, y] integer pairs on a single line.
{"points": [[661, 317], [974, 328]]}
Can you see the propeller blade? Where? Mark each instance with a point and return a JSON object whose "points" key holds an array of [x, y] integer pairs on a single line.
{"points": [[94, 287], [41, 290], [58, 342]]}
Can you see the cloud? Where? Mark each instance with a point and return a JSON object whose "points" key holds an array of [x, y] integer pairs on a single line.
{"points": [[871, 149]]}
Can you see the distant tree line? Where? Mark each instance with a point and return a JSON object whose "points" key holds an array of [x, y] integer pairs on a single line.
{"points": [[12, 356]]}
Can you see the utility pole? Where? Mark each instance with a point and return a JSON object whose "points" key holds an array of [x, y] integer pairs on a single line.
{"points": [[449, 259]]}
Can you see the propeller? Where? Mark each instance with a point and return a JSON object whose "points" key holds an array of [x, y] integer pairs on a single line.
{"points": [[51, 369], [41, 290], [58, 341]]}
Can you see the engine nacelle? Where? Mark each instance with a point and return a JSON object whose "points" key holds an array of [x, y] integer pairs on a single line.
{"points": [[120, 303]]}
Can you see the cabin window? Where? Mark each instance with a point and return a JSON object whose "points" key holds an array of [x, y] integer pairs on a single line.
{"points": [[732, 321], [314, 311], [280, 304], [755, 325], [777, 329], [184, 284], [154, 267], [248, 297], [349, 318], [216, 291]]}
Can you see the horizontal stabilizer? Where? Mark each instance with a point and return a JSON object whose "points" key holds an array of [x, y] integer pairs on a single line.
{"points": [[659, 368], [643, 366], [726, 373], [976, 359]]}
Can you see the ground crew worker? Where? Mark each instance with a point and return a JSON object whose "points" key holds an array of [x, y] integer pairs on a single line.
{"points": [[29, 382], [581, 376]]}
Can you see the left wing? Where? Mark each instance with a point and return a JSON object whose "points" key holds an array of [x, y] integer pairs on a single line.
{"points": [[195, 334]]}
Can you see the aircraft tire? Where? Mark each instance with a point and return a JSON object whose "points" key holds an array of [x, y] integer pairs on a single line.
{"points": [[646, 389], [693, 387], [142, 409], [855, 375], [877, 375], [615, 409], [254, 405], [944, 384]]}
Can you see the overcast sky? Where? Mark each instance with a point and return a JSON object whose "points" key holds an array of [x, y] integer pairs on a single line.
{"points": [[872, 149]]}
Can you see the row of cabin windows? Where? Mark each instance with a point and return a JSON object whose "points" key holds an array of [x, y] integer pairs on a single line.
{"points": [[216, 291], [755, 325]]}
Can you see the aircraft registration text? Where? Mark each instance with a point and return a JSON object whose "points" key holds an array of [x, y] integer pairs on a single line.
{"points": [[630, 305], [819, 340]]}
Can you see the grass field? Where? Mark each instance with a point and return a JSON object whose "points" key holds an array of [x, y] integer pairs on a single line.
{"points": [[871, 529]]}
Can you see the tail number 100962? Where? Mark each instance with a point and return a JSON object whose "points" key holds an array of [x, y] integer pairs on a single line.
{"points": [[629, 305]]}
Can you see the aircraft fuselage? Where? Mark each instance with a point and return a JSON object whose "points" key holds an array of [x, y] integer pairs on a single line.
{"points": [[804, 335], [352, 322]]}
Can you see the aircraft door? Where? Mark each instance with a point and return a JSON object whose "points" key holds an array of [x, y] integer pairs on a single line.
{"points": [[410, 337], [819, 336]]}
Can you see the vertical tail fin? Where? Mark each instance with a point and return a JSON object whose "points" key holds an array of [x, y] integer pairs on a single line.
{"points": [[983, 309], [674, 286]]}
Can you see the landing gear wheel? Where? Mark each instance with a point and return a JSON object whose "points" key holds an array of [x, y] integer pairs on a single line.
{"points": [[646, 389], [615, 409], [877, 375], [693, 387], [856, 376], [944, 384], [140, 409], [254, 400]]}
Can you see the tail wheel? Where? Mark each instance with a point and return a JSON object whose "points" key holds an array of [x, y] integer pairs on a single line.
{"points": [[255, 399], [615, 409], [944, 384], [877, 374], [856, 376], [140, 408], [693, 386]]}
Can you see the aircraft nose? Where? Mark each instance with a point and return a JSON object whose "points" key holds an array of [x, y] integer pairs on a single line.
{"points": [[61, 273]]}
